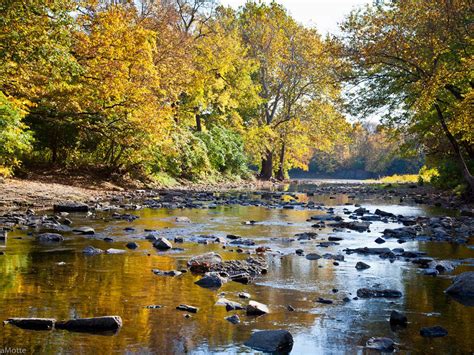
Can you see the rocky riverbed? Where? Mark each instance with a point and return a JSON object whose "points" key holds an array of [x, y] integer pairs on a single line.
{"points": [[334, 268]]}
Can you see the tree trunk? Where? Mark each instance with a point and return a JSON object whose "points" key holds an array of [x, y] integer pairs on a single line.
{"points": [[267, 167], [462, 162], [281, 169], [198, 123]]}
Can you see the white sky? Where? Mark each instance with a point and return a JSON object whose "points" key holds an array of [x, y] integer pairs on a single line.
{"points": [[323, 14]]}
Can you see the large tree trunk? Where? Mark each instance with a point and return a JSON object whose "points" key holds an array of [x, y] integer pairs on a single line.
{"points": [[458, 154], [281, 168], [267, 167]]}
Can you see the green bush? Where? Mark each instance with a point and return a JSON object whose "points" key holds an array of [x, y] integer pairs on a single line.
{"points": [[15, 139], [225, 151], [200, 155], [450, 176]]}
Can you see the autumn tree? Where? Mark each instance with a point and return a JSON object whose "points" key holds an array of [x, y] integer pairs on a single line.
{"points": [[294, 73], [412, 61]]}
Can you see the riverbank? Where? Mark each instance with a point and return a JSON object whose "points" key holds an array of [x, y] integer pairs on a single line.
{"points": [[43, 190]]}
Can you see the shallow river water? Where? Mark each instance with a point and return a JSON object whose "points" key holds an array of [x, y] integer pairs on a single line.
{"points": [[34, 282]]}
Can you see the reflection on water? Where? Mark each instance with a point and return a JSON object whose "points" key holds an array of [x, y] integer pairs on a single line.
{"points": [[34, 284]]}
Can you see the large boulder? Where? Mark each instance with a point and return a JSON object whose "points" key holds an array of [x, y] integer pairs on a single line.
{"points": [[32, 323], [49, 237], [204, 263], [96, 324], [271, 341], [463, 288], [162, 244]]}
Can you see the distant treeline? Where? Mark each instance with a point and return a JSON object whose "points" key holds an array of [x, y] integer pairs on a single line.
{"points": [[371, 151]]}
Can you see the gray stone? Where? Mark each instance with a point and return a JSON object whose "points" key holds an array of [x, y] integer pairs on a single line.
{"points": [[132, 245], [203, 263], [71, 207], [233, 319], [433, 332], [211, 280], [32, 323], [397, 318], [115, 251], [96, 324], [50, 237], [271, 341], [376, 293], [313, 256], [187, 308], [362, 266], [463, 285], [381, 344], [84, 230], [162, 244], [90, 250], [256, 309]]}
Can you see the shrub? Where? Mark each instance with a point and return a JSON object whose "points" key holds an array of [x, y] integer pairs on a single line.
{"points": [[15, 139]]}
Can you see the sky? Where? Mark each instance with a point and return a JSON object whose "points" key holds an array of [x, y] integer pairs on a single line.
{"points": [[322, 14]]}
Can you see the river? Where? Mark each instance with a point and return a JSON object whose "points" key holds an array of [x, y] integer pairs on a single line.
{"points": [[59, 281]]}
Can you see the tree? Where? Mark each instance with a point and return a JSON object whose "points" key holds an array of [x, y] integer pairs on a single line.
{"points": [[413, 60], [294, 73]]}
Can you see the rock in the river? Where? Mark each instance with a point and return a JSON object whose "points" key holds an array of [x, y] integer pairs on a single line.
{"points": [[271, 341], [443, 265], [368, 251], [233, 319], [115, 251], [84, 230], [171, 273], [96, 324], [433, 332], [376, 293], [32, 323], [183, 219], [71, 207], [162, 244], [463, 285], [313, 256], [324, 301], [211, 280], [187, 308], [379, 240], [204, 263], [229, 305], [90, 250], [257, 309], [397, 318], [132, 245], [381, 344], [362, 266], [50, 237], [244, 295]]}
